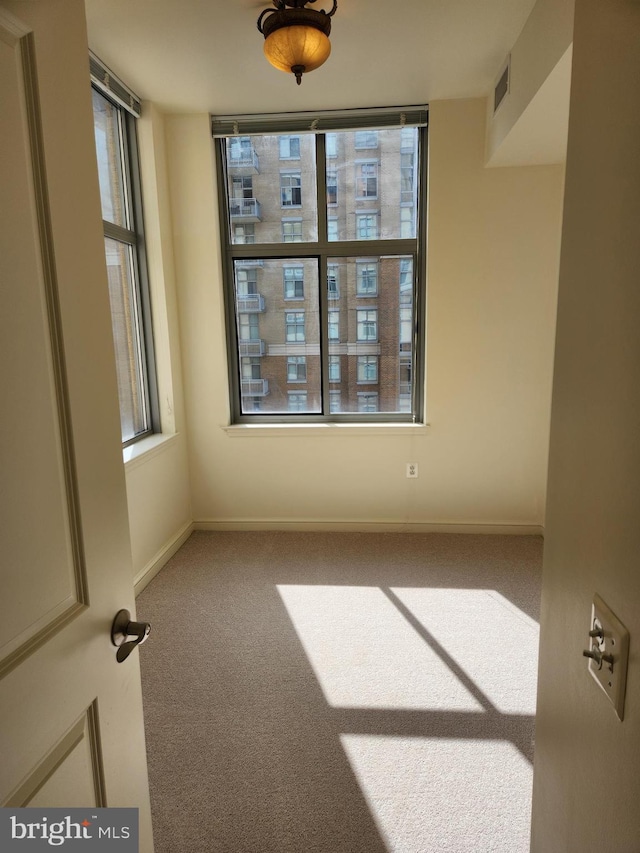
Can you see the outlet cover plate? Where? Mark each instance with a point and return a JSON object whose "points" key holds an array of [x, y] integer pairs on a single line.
{"points": [[615, 642]]}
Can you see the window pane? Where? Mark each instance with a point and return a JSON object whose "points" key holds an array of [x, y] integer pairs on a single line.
{"points": [[278, 342], [370, 175], [261, 189], [373, 314], [106, 125], [127, 339]]}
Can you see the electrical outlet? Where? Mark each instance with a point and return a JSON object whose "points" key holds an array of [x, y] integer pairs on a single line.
{"points": [[412, 470], [608, 653]]}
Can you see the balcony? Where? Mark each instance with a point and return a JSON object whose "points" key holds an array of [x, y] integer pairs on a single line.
{"points": [[252, 304], [248, 348], [245, 210], [255, 387], [245, 158]]}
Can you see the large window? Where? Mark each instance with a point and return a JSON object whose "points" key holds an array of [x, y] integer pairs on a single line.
{"points": [[116, 148], [331, 297]]}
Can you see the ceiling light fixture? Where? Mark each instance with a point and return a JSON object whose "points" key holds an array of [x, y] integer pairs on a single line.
{"points": [[296, 39]]}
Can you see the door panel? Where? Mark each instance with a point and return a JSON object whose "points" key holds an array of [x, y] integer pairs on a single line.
{"points": [[71, 730], [43, 574], [70, 776]]}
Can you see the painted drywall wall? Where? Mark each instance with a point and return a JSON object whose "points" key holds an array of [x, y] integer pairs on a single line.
{"points": [[530, 125], [493, 267], [157, 474], [586, 781]]}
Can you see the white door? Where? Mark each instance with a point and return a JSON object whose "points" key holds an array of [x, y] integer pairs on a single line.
{"points": [[71, 729]]}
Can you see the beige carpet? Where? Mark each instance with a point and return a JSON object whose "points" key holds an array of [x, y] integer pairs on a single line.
{"points": [[342, 693]]}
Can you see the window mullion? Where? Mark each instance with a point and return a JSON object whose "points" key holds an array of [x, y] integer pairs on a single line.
{"points": [[321, 190], [323, 294]]}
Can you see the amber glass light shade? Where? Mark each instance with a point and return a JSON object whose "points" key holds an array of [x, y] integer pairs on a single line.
{"points": [[294, 47]]}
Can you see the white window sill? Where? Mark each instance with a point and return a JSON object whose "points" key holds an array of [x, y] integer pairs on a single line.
{"points": [[145, 449], [329, 429]]}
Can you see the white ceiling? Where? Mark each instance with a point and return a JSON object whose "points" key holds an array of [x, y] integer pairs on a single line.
{"points": [[206, 55]]}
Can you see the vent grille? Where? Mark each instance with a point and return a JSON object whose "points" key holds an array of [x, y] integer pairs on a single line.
{"points": [[502, 86]]}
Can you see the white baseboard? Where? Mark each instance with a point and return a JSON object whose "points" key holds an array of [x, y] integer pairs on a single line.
{"points": [[148, 573], [357, 526]]}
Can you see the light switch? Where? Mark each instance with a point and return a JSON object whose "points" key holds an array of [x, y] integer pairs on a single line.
{"points": [[608, 653]]}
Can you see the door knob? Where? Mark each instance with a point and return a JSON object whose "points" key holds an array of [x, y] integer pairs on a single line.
{"points": [[126, 635]]}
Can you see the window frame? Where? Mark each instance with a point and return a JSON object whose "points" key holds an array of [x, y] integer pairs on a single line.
{"points": [[133, 237], [323, 250]]}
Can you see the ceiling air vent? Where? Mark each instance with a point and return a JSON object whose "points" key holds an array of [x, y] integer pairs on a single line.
{"points": [[502, 86]]}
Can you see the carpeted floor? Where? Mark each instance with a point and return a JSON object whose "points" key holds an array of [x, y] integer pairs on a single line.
{"points": [[342, 693]]}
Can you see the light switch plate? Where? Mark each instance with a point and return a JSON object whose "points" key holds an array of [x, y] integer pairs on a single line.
{"points": [[613, 643]]}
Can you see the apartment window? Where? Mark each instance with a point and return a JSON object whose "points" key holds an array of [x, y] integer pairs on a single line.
{"points": [[332, 187], [293, 282], [332, 281], [334, 368], [291, 230], [367, 368], [367, 226], [296, 368], [407, 139], [251, 368], [248, 327], [294, 326], [406, 177], [407, 226], [367, 180], [297, 401], [405, 371], [289, 147], [242, 186], [117, 154], [406, 280], [344, 260], [244, 232], [368, 401], [366, 139], [240, 150], [367, 278], [246, 281], [334, 325], [291, 189], [406, 324], [367, 319]]}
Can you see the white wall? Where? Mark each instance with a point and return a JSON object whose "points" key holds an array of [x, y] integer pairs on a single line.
{"points": [[586, 779], [156, 469], [493, 264], [530, 125]]}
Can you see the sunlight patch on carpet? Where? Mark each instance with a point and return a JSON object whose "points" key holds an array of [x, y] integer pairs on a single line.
{"points": [[450, 796], [492, 640], [365, 654]]}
